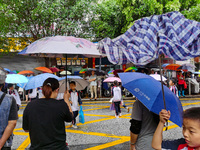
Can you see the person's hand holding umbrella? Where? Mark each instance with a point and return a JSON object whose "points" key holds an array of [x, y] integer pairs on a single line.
{"points": [[66, 99]]}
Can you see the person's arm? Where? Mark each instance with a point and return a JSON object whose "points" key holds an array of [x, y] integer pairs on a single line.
{"points": [[79, 99], [157, 137], [8, 131], [135, 129], [66, 99], [133, 140], [25, 122]]}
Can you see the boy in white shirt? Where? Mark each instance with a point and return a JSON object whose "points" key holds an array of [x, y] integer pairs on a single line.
{"points": [[75, 101]]}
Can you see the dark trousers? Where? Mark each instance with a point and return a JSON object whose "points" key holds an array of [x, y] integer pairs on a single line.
{"points": [[6, 148], [74, 118], [181, 87], [117, 107]]}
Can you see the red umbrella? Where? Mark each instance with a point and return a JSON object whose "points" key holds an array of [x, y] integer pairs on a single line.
{"points": [[26, 72], [115, 72], [44, 69], [54, 69]]}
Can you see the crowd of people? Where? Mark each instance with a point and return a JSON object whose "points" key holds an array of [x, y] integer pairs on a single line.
{"points": [[145, 126]]}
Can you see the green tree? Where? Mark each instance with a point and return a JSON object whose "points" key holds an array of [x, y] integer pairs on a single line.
{"points": [[108, 20], [136, 9], [41, 18]]}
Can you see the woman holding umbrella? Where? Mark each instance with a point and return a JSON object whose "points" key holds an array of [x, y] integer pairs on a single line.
{"points": [[44, 118]]}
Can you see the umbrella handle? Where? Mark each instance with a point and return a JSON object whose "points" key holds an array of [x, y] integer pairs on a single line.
{"points": [[163, 93]]}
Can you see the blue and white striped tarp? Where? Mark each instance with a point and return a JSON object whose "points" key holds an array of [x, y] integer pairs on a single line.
{"points": [[170, 33]]}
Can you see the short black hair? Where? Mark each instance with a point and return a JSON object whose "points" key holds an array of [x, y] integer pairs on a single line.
{"points": [[10, 85], [72, 82], [116, 83], [192, 113], [173, 80]]}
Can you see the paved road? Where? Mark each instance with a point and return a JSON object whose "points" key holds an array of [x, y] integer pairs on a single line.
{"points": [[101, 129]]}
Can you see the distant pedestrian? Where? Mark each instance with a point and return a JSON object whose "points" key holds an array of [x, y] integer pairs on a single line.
{"points": [[117, 97], [8, 116], [181, 81], [93, 85], [173, 88], [44, 118], [75, 101], [15, 94], [33, 94]]}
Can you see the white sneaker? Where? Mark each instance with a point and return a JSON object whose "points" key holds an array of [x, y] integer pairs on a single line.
{"points": [[74, 126], [116, 116], [120, 114], [69, 123]]}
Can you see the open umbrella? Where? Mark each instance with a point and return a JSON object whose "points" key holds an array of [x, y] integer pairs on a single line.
{"points": [[164, 65], [54, 69], [147, 90], [81, 84], [170, 34], [158, 77], [112, 79], [26, 72], [67, 45], [64, 72], [16, 78], [6, 69], [130, 69], [110, 72], [83, 71], [44, 69], [37, 81], [187, 67], [97, 72], [173, 67]]}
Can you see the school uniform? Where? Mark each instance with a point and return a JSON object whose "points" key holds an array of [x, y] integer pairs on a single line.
{"points": [[76, 101]]}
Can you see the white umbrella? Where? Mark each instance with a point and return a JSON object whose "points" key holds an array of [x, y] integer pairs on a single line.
{"points": [[64, 72], [157, 77], [81, 84]]}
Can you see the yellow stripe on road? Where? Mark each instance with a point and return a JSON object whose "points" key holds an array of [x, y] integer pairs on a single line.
{"points": [[110, 144], [25, 144]]}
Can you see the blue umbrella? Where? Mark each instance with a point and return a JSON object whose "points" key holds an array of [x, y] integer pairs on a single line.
{"points": [[164, 65], [149, 92], [37, 81], [16, 78], [6, 69], [22, 85]]}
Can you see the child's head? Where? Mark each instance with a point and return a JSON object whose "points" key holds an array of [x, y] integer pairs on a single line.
{"points": [[116, 83], [191, 126], [11, 86], [172, 82], [72, 85]]}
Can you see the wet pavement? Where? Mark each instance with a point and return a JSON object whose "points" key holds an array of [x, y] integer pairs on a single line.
{"points": [[101, 129]]}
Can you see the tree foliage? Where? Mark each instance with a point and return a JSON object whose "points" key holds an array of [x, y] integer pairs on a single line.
{"points": [[108, 20], [41, 18], [136, 9]]}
